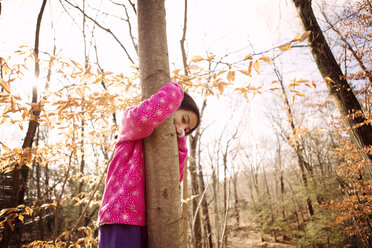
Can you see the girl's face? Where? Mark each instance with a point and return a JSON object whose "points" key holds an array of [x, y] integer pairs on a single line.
{"points": [[185, 120]]}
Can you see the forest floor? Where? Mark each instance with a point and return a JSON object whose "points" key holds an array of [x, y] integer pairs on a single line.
{"points": [[248, 236]]}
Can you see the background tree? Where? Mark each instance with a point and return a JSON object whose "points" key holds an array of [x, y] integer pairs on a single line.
{"points": [[338, 87]]}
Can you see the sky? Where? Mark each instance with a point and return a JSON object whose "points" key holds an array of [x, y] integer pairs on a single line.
{"points": [[217, 26], [222, 27]]}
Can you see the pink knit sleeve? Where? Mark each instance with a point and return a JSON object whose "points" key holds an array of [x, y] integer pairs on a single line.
{"points": [[139, 122], [182, 154]]}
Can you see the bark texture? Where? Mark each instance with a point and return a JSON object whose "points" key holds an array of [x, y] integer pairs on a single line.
{"points": [[163, 211], [339, 89]]}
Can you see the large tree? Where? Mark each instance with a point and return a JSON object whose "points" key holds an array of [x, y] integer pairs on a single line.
{"points": [[164, 222], [348, 105]]}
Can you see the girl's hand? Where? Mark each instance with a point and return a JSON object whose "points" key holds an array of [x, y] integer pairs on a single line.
{"points": [[180, 132]]}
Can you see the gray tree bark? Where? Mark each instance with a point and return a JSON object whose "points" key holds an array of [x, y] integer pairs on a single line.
{"points": [[163, 208]]}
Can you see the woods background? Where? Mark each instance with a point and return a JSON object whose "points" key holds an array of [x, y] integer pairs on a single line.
{"points": [[285, 139]]}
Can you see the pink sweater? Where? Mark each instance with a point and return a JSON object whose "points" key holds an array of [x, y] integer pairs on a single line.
{"points": [[123, 201]]}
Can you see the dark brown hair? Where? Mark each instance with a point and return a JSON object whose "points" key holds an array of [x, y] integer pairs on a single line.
{"points": [[189, 104]]}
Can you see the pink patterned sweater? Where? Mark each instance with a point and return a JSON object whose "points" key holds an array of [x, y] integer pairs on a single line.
{"points": [[123, 201]]}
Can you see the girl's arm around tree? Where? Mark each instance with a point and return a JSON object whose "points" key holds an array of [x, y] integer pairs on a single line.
{"points": [[139, 122]]}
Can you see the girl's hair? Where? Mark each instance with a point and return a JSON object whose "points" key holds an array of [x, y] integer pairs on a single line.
{"points": [[189, 104]]}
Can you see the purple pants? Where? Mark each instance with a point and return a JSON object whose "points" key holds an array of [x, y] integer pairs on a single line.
{"points": [[122, 236]]}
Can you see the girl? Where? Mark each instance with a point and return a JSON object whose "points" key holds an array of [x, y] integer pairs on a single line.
{"points": [[121, 217]]}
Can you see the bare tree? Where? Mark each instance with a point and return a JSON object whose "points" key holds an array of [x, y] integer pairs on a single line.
{"points": [[302, 163]]}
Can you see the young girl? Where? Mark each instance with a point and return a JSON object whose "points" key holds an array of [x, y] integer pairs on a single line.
{"points": [[121, 217]]}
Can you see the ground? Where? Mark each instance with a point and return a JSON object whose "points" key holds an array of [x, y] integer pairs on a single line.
{"points": [[248, 236]]}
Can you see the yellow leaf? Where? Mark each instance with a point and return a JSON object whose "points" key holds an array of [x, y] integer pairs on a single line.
{"points": [[189, 199], [10, 225], [302, 81], [231, 76], [197, 58], [5, 148], [257, 66], [7, 109], [3, 211], [7, 170], [250, 67], [221, 72], [297, 38], [20, 126], [107, 73], [314, 84], [80, 92], [305, 35], [175, 72], [25, 113], [300, 94], [301, 37], [329, 79], [45, 205], [4, 85], [248, 57], [293, 84], [275, 82], [17, 97], [246, 96], [266, 59], [220, 88], [211, 57], [97, 80], [3, 94], [76, 64], [29, 210], [286, 46], [245, 72], [21, 217]]}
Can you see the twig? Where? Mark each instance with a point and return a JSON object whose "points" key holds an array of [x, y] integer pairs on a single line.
{"points": [[102, 27]]}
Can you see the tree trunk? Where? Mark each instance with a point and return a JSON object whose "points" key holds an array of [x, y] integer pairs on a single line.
{"points": [[195, 191], [296, 146], [236, 206], [360, 130], [81, 171], [216, 187], [163, 212], [206, 219], [185, 219], [20, 172]]}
